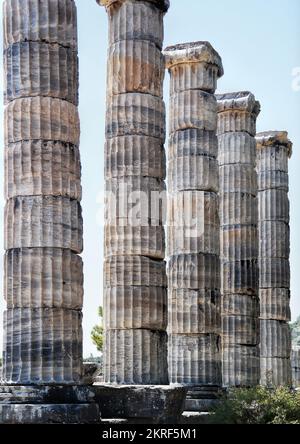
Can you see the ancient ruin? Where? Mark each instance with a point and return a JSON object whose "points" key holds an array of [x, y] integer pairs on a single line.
{"points": [[43, 275], [273, 152], [237, 114], [193, 223], [295, 361], [182, 324], [135, 299]]}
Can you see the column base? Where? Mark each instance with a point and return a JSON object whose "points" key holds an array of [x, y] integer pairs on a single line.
{"points": [[202, 399], [48, 405], [141, 404]]}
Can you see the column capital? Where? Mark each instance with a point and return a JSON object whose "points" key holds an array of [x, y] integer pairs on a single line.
{"points": [[269, 138], [193, 52], [160, 4], [243, 101]]}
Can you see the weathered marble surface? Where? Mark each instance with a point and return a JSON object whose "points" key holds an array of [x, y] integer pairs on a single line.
{"points": [[135, 66], [43, 280], [275, 372], [194, 272], [273, 151], [124, 271], [135, 114], [42, 346], [201, 352], [38, 221], [146, 405], [50, 414], [134, 156], [59, 163], [43, 277], [41, 118], [193, 221], [135, 357], [132, 241], [194, 311], [135, 305], [139, 307], [240, 366], [39, 69], [49, 21], [237, 113], [295, 361]]}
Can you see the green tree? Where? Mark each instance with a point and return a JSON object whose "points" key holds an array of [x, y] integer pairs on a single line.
{"points": [[97, 332], [296, 332]]}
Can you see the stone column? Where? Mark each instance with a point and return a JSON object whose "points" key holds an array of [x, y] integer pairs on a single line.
{"points": [[296, 367], [237, 114], [135, 296], [43, 274], [273, 151], [193, 222]]}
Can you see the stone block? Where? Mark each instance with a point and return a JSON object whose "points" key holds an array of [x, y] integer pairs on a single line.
{"points": [[193, 142], [41, 118], [240, 366], [240, 277], [136, 271], [275, 339], [240, 305], [238, 329], [275, 372], [194, 312], [274, 240], [274, 273], [139, 307], [238, 243], [135, 66], [193, 223], [193, 173], [135, 357], [43, 278], [42, 168], [275, 304], [134, 241], [31, 20], [238, 178], [38, 69], [193, 109], [145, 404], [134, 156], [238, 209], [135, 114], [195, 359], [38, 221], [273, 205], [194, 272], [42, 346], [237, 148]]}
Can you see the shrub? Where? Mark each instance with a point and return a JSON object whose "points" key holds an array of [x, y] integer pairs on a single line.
{"points": [[258, 406]]}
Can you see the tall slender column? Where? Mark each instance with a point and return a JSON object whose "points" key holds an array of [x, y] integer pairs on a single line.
{"points": [[237, 114], [295, 360], [43, 275], [135, 296], [273, 151], [193, 222]]}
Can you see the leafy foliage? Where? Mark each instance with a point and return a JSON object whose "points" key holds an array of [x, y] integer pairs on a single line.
{"points": [[97, 332], [296, 332], [258, 406]]}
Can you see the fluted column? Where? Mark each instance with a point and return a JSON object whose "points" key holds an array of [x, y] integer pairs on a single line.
{"points": [[295, 360], [43, 277], [135, 295], [273, 152], [193, 221], [237, 114]]}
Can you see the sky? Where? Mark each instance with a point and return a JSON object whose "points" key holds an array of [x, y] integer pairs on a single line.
{"points": [[259, 42]]}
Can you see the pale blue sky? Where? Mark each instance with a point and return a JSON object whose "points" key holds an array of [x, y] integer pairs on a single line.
{"points": [[259, 42]]}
